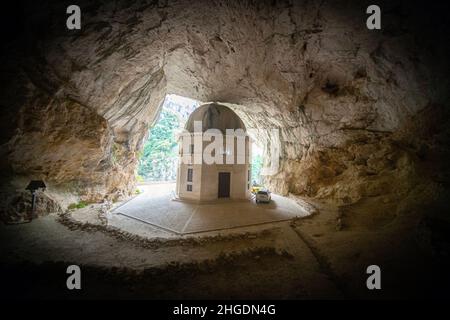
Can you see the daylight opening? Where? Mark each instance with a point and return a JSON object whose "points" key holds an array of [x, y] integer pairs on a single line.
{"points": [[159, 156], [257, 163]]}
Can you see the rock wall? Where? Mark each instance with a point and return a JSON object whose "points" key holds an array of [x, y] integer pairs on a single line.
{"points": [[77, 104]]}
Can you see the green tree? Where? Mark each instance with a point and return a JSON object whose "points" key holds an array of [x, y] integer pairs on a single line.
{"points": [[159, 156], [257, 162]]}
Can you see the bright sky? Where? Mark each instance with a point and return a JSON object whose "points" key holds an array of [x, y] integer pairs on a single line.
{"points": [[181, 100], [256, 150]]}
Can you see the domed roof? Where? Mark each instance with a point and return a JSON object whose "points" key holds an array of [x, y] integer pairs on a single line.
{"points": [[214, 116]]}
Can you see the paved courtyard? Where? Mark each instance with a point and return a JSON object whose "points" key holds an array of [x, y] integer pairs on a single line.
{"points": [[154, 206]]}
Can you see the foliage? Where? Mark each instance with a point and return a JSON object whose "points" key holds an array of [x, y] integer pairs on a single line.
{"points": [[257, 162], [79, 205], [159, 156]]}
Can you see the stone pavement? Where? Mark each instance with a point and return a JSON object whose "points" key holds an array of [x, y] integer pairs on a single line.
{"points": [[156, 207]]}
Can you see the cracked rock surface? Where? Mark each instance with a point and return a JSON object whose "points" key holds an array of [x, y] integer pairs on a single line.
{"points": [[354, 113]]}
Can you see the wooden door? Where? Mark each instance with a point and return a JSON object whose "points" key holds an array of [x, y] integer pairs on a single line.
{"points": [[224, 185]]}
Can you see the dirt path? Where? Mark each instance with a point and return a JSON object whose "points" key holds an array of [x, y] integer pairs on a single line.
{"points": [[346, 240], [321, 256], [272, 264]]}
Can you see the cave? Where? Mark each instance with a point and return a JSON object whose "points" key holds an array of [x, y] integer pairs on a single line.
{"points": [[353, 125]]}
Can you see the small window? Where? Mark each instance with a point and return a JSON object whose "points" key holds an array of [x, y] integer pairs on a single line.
{"points": [[189, 175], [249, 175], [191, 148], [189, 187]]}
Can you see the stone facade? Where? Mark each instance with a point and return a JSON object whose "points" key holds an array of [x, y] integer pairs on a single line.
{"points": [[229, 175]]}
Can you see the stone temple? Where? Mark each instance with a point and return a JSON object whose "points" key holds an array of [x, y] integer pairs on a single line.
{"points": [[353, 124], [221, 134]]}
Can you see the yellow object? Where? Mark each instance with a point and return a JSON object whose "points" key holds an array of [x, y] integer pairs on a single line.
{"points": [[255, 189]]}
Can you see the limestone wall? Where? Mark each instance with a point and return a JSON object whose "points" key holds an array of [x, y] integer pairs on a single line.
{"points": [[76, 105]]}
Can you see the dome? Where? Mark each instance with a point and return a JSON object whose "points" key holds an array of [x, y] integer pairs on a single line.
{"points": [[214, 116]]}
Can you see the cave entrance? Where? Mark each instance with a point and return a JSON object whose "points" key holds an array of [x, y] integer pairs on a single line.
{"points": [[256, 165], [159, 157]]}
